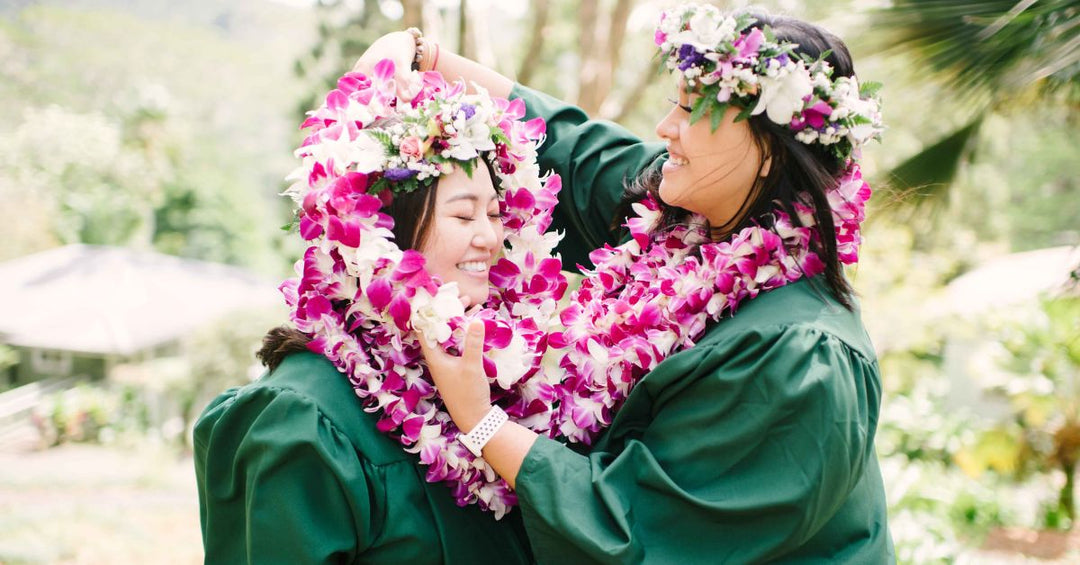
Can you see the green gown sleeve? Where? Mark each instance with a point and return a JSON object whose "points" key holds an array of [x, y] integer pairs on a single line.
{"points": [[596, 159], [272, 482], [736, 451]]}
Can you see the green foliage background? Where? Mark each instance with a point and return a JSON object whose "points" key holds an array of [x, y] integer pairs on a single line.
{"points": [[170, 125]]}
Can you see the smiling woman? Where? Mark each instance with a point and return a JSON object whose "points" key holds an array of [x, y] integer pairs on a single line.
{"points": [[715, 361], [336, 454], [465, 234]]}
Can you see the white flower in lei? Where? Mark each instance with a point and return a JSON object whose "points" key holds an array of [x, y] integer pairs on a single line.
{"points": [[360, 297]]}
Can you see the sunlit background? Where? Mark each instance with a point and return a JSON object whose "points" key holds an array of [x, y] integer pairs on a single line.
{"points": [[143, 144]]}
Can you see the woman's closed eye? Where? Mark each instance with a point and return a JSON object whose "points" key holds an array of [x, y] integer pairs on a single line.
{"points": [[681, 106]]}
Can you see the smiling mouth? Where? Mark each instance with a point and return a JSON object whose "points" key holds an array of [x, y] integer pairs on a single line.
{"points": [[476, 267], [677, 161]]}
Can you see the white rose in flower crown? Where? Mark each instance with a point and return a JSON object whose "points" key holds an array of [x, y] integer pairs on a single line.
{"points": [[782, 95], [431, 314], [708, 28]]}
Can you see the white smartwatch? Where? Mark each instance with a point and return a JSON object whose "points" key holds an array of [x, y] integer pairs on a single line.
{"points": [[478, 437]]}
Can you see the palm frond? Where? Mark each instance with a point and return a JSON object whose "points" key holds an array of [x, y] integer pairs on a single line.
{"points": [[920, 184], [993, 45]]}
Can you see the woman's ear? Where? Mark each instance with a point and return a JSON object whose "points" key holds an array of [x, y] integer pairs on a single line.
{"points": [[766, 166]]}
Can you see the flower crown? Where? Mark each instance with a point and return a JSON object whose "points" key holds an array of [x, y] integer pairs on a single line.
{"points": [[364, 128], [728, 65]]}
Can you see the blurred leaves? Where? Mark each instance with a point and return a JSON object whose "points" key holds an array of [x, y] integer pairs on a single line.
{"points": [[998, 56], [990, 47]]}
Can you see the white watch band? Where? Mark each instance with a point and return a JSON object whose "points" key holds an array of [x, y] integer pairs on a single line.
{"points": [[476, 439]]}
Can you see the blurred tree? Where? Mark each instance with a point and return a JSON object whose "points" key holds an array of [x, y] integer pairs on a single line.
{"points": [[141, 149], [995, 56], [601, 28], [221, 356]]}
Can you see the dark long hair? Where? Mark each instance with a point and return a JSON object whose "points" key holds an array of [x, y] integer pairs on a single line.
{"points": [[797, 169], [412, 213]]}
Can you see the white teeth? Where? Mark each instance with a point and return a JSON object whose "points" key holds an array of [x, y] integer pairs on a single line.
{"points": [[678, 161], [473, 266]]}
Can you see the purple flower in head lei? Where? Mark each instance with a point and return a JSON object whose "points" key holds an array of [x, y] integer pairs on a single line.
{"points": [[364, 300], [721, 57]]}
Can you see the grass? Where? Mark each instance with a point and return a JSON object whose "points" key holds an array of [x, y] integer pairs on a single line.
{"points": [[89, 505]]}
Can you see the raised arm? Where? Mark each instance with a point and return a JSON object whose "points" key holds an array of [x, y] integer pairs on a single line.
{"points": [[400, 47]]}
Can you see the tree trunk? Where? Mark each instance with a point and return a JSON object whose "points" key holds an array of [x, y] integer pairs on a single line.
{"points": [[463, 30], [598, 62], [541, 9], [1066, 450], [587, 71], [1066, 502], [414, 12]]}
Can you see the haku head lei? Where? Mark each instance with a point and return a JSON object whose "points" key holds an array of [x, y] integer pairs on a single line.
{"points": [[364, 128], [729, 63], [361, 297]]}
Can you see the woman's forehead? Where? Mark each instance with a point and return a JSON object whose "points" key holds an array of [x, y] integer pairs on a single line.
{"points": [[459, 186]]}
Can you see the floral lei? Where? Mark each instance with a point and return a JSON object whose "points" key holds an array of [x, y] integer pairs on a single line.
{"points": [[359, 296], [653, 296], [727, 65]]}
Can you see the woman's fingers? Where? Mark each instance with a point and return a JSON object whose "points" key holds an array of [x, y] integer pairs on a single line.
{"points": [[460, 380], [472, 356], [398, 46]]}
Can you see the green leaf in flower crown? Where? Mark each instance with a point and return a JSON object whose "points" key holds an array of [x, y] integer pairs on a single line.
{"points": [[717, 116], [466, 166], [869, 88], [383, 138], [701, 105], [744, 113]]}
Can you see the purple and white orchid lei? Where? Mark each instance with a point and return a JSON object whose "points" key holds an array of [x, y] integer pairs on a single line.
{"points": [[653, 296], [360, 297], [729, 63]]}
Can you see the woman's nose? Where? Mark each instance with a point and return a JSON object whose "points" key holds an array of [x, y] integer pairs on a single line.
{"points": [[486, 235], [667, 128]]}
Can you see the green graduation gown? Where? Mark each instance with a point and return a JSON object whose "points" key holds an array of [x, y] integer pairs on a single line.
{"points": [[755, 445], [291, 470]]}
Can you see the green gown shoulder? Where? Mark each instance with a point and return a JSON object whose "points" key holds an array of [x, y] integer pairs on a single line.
{"points": [[290, 469]]}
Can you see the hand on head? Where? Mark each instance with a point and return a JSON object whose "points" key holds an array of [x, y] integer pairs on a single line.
{"points": [[460, 380], [399, 47]]}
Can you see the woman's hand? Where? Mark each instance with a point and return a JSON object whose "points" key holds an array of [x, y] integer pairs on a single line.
{"points": [[398, 46], [460, 380]]}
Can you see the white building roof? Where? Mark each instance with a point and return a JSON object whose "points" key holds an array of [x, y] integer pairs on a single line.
{"points": [[1010, 279], [111, 300]]}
